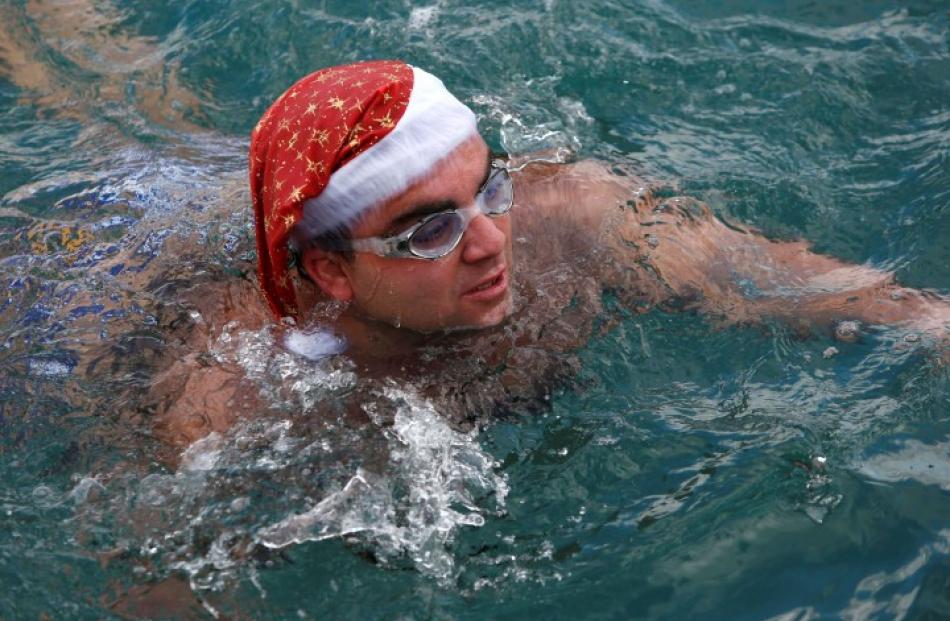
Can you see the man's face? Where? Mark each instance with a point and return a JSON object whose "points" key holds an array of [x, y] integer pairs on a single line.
{"points": [[469, 287]]}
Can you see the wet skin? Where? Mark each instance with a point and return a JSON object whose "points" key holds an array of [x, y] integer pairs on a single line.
{"points": [[576, 232], [468, 288]]}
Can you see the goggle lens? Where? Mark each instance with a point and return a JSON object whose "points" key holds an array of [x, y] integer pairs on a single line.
{"points": [[437, 236], [498, 194]]}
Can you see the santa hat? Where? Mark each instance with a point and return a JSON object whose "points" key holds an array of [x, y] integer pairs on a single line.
{"points": [[337, 144]]}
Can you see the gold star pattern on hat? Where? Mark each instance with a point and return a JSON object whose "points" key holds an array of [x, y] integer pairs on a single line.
{"points": [[319, 124]]}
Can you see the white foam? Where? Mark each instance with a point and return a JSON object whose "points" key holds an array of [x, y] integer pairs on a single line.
{"points": [[52, 368], [421, 17], [433, 480], [314, 344], [448, 481], [300, 377]]}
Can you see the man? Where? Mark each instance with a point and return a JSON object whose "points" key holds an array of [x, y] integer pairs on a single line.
{"points": [[374, 176], [475, 279]]}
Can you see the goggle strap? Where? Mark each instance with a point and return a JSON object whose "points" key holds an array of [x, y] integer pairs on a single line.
{"points": [[375, 245]]}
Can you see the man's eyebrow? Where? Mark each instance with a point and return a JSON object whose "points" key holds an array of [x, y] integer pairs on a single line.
{"points": [[424, 209]]}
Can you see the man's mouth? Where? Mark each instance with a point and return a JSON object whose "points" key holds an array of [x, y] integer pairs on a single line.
{"points": [[490, 283], [490, 287]]}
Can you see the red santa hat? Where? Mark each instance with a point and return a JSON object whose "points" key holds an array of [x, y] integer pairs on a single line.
{"points": [[338, 143]]}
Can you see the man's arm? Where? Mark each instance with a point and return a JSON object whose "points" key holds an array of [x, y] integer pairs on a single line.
{"points": [[675, 252], [740, 275]]}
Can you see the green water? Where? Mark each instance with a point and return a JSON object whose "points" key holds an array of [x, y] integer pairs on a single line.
{"points": [[680, 474]]}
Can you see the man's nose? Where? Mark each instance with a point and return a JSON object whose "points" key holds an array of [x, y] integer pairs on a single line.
{"points": [[484, 238]]}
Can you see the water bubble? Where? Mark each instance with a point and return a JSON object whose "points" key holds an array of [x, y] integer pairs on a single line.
{"points": [[50, 368], [87, 490], [848, 331], [155, 490], [314, 345], [44, 497], [202, 455], [421, 17], [240, 504]]}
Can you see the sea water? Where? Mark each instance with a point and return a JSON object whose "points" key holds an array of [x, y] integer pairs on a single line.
{"points": [[686, 471]]}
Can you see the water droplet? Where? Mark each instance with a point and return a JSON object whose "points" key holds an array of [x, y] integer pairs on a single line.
{"points": [[44, 496], [240, 504], [848, 331]]}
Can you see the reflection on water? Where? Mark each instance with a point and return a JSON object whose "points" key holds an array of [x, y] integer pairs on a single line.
{"points": [[82, 59], [669, 468], [911, 460]]}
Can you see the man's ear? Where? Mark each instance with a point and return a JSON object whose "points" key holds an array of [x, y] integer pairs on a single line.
{"points": [[327, 270]]}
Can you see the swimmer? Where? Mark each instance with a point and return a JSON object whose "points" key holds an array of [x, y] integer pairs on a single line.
{"points": [[374, 192], [375, 178]]}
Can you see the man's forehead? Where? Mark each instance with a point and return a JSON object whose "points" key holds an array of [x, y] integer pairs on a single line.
{"points": [[450, 184]]}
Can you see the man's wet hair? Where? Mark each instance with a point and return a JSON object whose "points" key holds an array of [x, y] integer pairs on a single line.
{"points": [[336, 239]]}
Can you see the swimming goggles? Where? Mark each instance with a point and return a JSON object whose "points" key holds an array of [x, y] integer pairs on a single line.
{"points": [[436, 235]]}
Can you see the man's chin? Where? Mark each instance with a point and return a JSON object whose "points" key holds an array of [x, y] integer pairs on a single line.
{"points": [[488, 319]]}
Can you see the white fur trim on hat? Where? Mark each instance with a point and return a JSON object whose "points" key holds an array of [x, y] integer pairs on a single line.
{"points": [[432, 126]]}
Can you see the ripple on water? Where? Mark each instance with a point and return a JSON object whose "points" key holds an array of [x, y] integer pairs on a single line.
{"points": [[684, 473]]}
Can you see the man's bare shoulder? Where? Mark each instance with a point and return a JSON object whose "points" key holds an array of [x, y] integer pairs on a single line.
{"points": [[191, 394], [563, 190], [570, 205]]}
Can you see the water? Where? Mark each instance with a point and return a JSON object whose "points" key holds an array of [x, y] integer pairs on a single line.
{"points": [[680, 471]]}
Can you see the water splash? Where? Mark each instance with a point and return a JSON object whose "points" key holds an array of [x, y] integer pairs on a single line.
{"points": [[439, 480], [295, 378], [399, 485]]}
